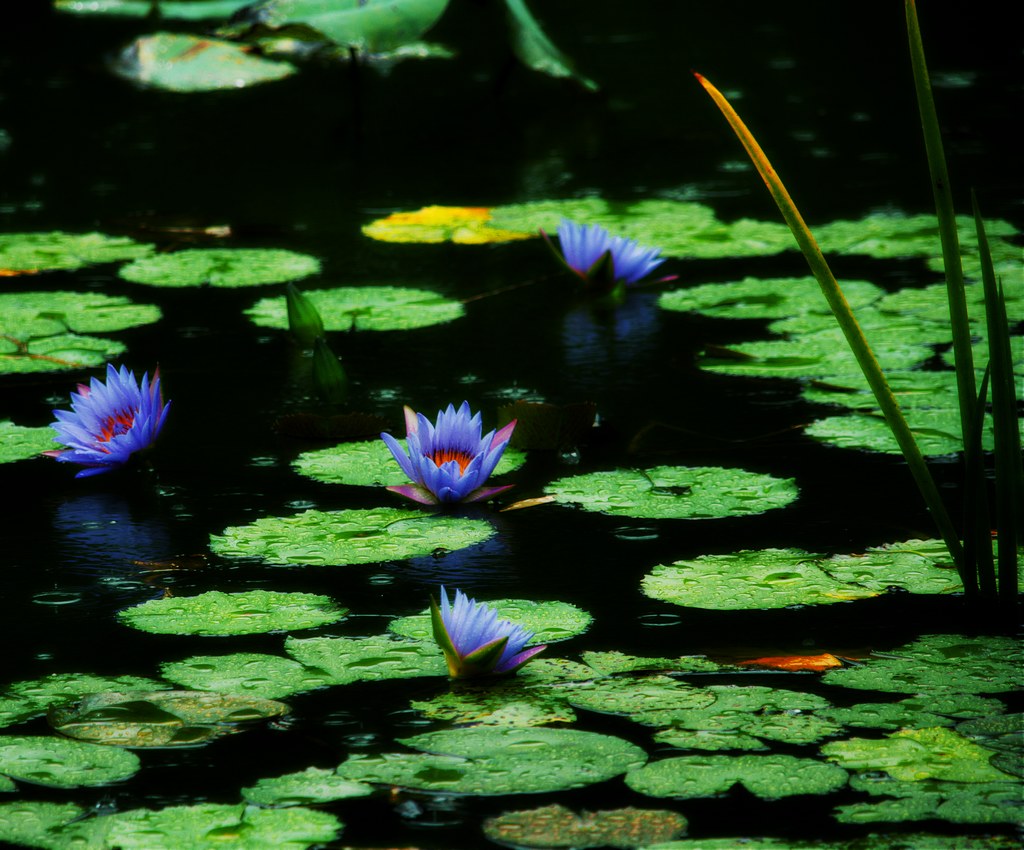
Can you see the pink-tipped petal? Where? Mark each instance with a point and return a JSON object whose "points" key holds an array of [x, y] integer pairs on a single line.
{"points": [[482, 493], [504, 434], [414, 492], [517, 661], [412, 424]]}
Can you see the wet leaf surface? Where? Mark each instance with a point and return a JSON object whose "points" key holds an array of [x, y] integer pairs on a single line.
{"points": [[556, 826], [221, 267], [60, 763]]}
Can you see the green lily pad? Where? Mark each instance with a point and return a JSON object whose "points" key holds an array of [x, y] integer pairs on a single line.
{"points": [[21, 443], [637, 698], [217, 613], [1002, 733], [370, 463], [187, 63], [675, 492], [768, 777], [32, 697], [544, 670], [60, 763], [33, 315], [364, 308], [549, 621], [956, 802], [886, 235], [931, 303], [484, 760], [913, 712], [350, 536], [938, 664], [767, 578], [761, 298], [896, 841], [370, 659], [209, 825], [185, 10], [919, 566], [607, 663], [52, 826], [221, 267], [306, 788], [556, 826], [56, 353], [159, 718], [937, 432], [508, 703], [33, 252], [911, 755], [267, 676]]}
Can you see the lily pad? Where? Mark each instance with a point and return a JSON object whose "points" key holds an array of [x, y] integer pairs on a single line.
{"points": [[675, 492], [607, 663], [53, 826], [767, 578], [370, 659], [885, 235], [364, 308], [956, 802], [349, 537], [638, 698], [159, 718], [535, 50], [32, 697], [509, 703], [21, 443], [247, 613], [434, 224], [35, 252], [32, 315], [370, 463], [56, 353], [913, 712], [60, 763], [485, 760], [267, 676], [911, 755], [937, 432], [939, 664], [918, 566], [221, 267], [549, 621], [556, 826], [768, 777], [185, 10], [187, 63], [237, 827], [306, 788]]}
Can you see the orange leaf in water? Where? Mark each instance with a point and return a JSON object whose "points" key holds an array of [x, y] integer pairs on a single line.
{"points": [[16, 272], [825, 661], [464, 225]]}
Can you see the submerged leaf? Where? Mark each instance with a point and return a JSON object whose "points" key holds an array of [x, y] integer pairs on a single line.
{"points": [[556, 826], [535, 50]]}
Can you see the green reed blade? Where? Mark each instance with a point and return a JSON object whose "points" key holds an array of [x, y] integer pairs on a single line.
{"points": [[977, 537], [851, 329]]}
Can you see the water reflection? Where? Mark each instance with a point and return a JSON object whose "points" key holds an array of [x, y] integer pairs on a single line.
{"points": [[487, 565]]}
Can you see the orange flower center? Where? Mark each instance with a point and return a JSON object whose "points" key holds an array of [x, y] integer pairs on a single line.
{"points": [[118, 423], [442, 456]]}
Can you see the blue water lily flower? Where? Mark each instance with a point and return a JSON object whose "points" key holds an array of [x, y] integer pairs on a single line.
{"points": [[109, 422], [602, 261], [448, 461], [474, 641]]}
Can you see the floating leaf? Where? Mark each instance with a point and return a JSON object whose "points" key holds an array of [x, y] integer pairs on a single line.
{"points": [[267, 676], [31, 698], [638, 698], [911, 755], [913, 712], [886, 235], [60, 763], [209, 825], [308, 787], [34, 252], [487, 760], [54, 826], [556, 826], [535, 50], [364, 308], [159, 718], [611, 662], [185, 10], [29, 315], [549, 621], [508, 703], [187, 63], [767, 578], [939, 664], [222, 267], [20, 443], [769, 777], [675, 492], [56, 353], [247, 613], [370, 464], [918, 566], [981, 802], [371, 659], [349, 537], [433, 224]]}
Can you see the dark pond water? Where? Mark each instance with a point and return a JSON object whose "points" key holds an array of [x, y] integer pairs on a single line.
{"points": [[302, 164]]}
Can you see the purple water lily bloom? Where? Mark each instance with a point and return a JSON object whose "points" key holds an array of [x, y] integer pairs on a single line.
{"points": [[474, 641], [109, 422], [603, 260], [448, 461]]}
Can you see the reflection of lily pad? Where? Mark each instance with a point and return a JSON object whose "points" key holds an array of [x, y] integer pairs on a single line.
{"points": [[268, 676], [20, 443], [556, 826], [369, 659], [364, 308], [208, 825], [488, 760], [370, 463], [188, 63], [349, 537], [768, 578], [60, 763], [221, 267], [28, 252], [308, 787], [159, 718], [768, 776], [218, 613], [675, 492], [549, 621], [939, 664]]}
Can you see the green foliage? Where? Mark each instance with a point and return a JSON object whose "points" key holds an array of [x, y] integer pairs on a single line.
{"points": [[222, 267], [549, 621], [36, 252], [308, 787], [955, 802], [370, 659], [32, 697], [267, 676], [556, 826], [60, 763], [20, 443], [507, 703], [535, 50], [185, 10]]}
